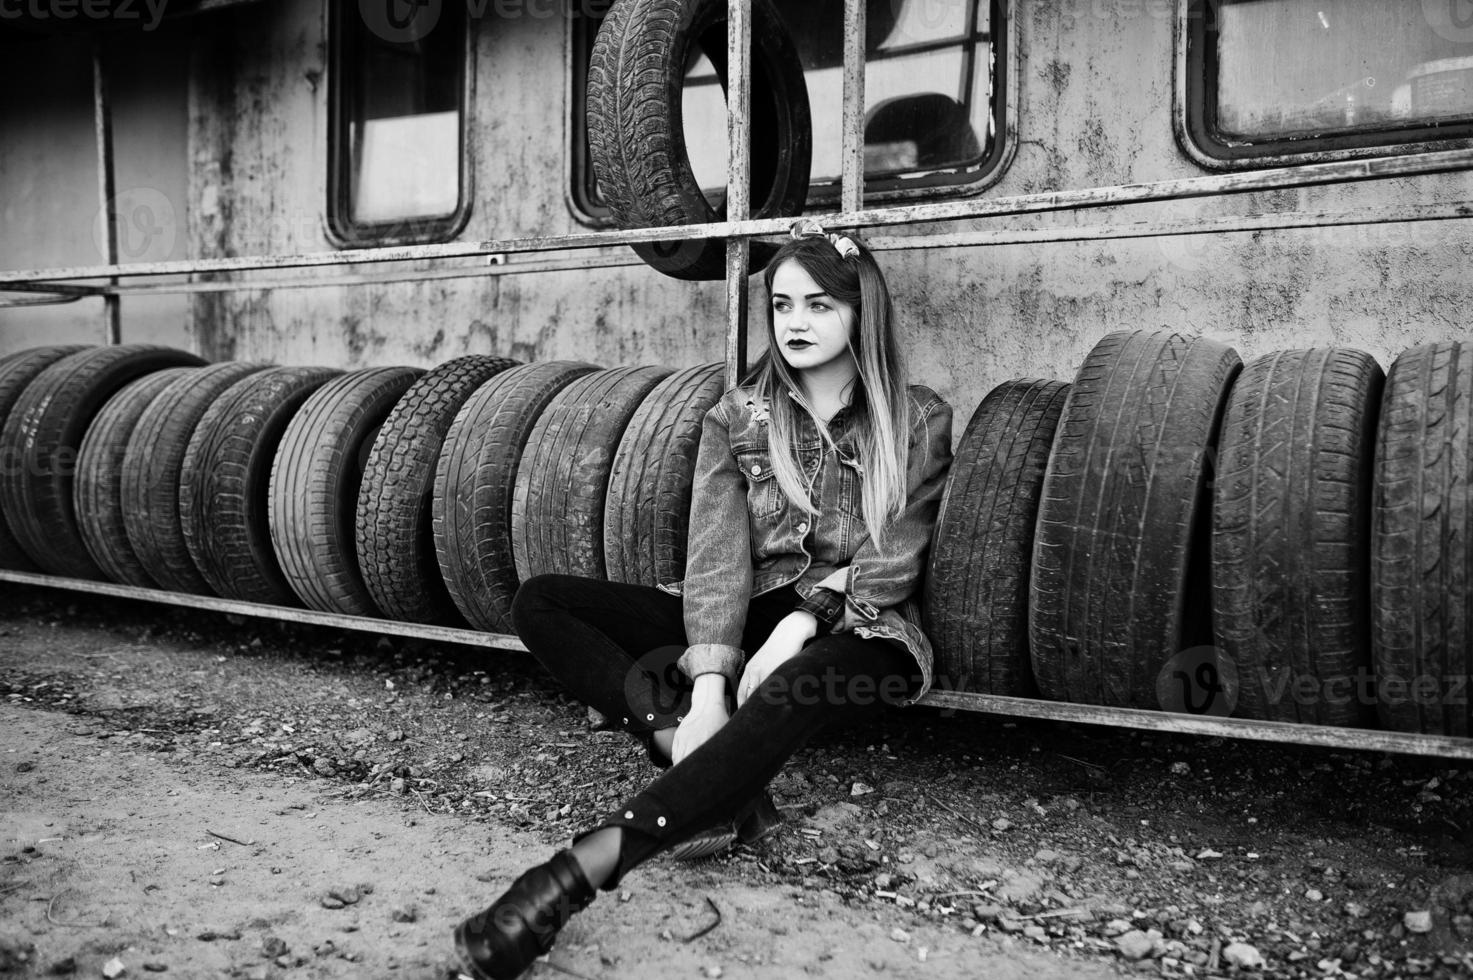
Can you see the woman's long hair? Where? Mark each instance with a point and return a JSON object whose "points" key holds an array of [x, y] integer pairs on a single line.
{"points": [[879, 406]]}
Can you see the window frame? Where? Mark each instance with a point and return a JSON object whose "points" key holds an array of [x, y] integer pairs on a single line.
{"points": [[1196, 114], [341, 230], [940, 184]]}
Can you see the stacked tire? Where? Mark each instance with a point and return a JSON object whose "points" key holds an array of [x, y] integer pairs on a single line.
{"points": [[315, 482], [1119, 573], [40, 441], [1291, 535], [385, 492], [16, 372], [1421, 551], [99, 501], [153, 468], [395, 533], [975, 599], [475, 479], [1285, 542]]}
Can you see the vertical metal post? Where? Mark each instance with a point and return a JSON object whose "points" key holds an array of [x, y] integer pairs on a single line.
{"points": [[852, 179], [106, 191], [738, 180]]}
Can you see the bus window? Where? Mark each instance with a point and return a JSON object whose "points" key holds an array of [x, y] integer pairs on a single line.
{"points": [[397, 132], [933, 99], [1276, 78]]}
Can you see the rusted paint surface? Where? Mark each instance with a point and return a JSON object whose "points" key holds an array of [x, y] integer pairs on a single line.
{"points": [[49, 206], [1094, 109]]}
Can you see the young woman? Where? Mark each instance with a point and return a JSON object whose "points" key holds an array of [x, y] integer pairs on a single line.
{"points": [[816, 489]]}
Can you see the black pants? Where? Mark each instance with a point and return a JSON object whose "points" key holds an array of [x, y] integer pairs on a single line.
{"points": [[615, 647]]}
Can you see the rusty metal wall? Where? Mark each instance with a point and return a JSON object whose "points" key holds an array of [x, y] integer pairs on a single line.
{"points": [[1094, 107], [258, 180], [49, 203]]}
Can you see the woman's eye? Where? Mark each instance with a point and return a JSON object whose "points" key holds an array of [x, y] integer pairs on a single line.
{"points": [[820, 308]]}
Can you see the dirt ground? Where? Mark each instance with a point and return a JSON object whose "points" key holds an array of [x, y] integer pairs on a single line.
{"points": [[200, 796]]}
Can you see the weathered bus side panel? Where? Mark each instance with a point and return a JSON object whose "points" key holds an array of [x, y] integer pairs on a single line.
{"points": [[1093, 108], [49, 197]]}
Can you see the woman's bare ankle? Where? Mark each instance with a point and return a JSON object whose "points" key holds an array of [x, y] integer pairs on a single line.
{"points": [[664, 740], [598, 854]]}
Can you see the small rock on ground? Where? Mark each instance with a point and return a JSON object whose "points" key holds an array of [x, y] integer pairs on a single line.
{"points": [[1243, 955], [1134, 945]]}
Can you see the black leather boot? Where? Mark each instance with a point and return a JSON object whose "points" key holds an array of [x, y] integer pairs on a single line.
{"points": [[501, 942]]}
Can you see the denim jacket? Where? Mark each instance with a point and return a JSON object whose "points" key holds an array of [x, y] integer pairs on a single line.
{"points": [[746, 538]]}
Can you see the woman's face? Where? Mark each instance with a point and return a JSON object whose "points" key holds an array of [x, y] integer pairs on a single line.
{"points": [[810, 327]]}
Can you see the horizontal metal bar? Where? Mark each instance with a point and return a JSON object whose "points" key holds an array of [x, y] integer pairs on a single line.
{"points": [[367, 624], [425, 275], [878, 55], [58, 288], [1324, 736], [1165, 190], [47, 299], [1275, 221]]}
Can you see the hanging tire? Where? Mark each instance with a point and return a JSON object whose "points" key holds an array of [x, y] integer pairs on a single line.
{"points": [[153, 467], [1421, 555], [637, 140], [1291, 535], [98, 488], [557, 514], [314, 486], [1120, 555], [647, 510], [394, 534], [473, 487], [975, 599], [44, 432], [16, 371], [226, 478]]}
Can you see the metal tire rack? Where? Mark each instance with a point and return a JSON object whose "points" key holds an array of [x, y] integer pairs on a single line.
{"points": [[59, 285]]}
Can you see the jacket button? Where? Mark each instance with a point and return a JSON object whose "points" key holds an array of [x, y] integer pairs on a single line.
{"points": [[803, 528], [649, 717], [628, 814], [756, 468], [661, 821]]}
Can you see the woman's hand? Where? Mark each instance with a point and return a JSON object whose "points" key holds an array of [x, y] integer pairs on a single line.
{"points": [[704, 720], [787, 638], [706, 716]]}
